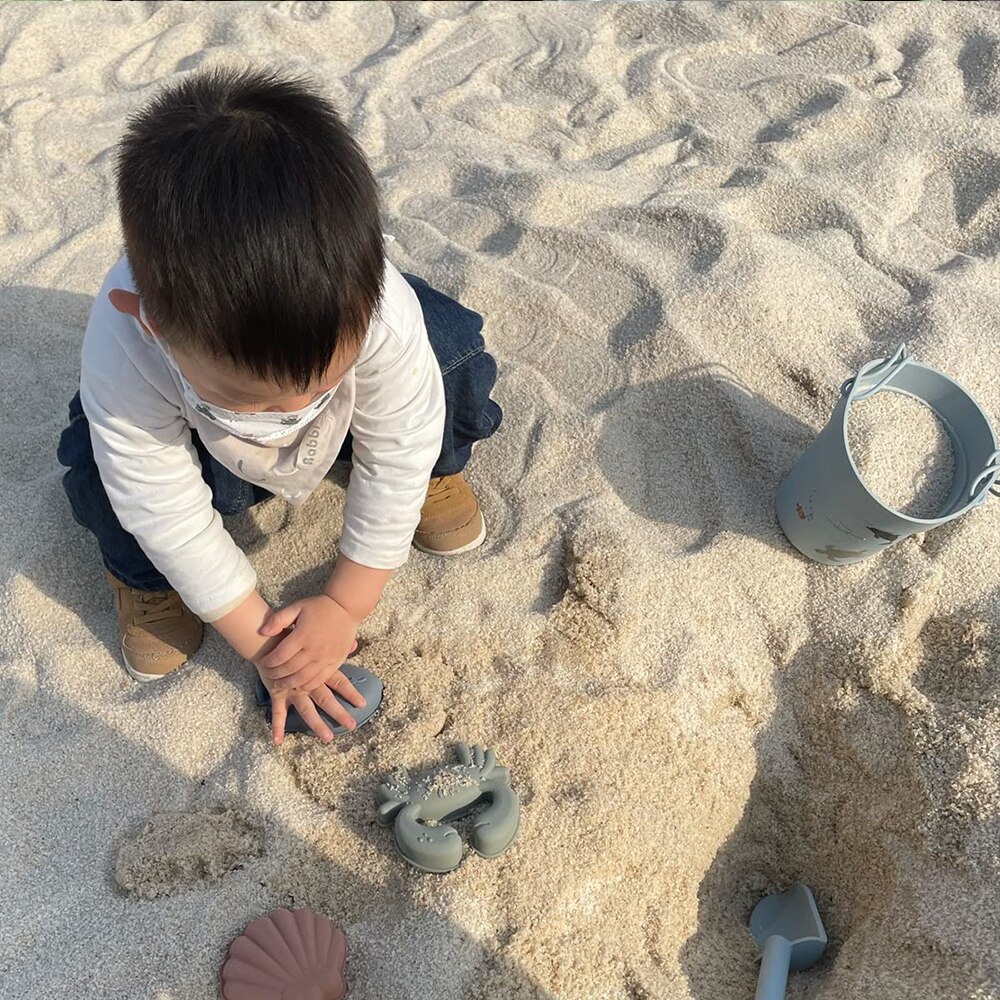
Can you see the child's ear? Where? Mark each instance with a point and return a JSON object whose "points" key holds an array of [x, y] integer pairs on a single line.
{"points": [[128, 303], [124, 302]]}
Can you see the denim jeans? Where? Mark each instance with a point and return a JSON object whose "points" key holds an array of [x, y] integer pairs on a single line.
{"points": [[470, 415]]}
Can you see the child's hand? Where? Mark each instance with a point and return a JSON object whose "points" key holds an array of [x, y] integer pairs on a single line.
{"points": [[322, 636], [307, 702]]}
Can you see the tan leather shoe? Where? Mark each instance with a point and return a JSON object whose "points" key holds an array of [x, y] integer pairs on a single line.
{"points": [[450, 520], [157, 631]]}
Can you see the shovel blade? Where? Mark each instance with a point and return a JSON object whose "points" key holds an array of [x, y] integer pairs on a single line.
{"points": [[792, 915]]}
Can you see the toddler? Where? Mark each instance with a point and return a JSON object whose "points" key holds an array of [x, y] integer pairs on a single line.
{"points": [[253, 334]]}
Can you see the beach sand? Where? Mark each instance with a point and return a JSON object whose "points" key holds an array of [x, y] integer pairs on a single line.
{"points": [[686, 225], [902, 452]]}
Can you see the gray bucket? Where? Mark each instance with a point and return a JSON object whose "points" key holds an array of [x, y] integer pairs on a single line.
{"points": [[825, 508]]}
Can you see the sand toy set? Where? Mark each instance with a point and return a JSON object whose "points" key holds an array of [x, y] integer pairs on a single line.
{"points": [[300, 953], [824, 505], [830, 511]]}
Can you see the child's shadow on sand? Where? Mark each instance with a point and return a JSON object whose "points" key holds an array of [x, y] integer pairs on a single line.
{"points": [[773, 845], [85, 755], [840, 800], [698, 450]]}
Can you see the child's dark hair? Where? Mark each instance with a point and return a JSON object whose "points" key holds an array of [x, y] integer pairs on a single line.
{"points": [[251, 222]]}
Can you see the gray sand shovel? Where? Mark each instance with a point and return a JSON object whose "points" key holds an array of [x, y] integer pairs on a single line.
{"points": [[788, 928]]}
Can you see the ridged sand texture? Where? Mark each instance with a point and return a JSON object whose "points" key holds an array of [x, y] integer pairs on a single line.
{"points": [[685, 226]]}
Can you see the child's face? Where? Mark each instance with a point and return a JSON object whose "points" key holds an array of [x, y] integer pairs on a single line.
{"points": [[219, 382]]}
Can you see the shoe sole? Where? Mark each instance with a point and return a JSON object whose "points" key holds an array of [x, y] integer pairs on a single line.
{"points": [[144, 678], [474, 544]]}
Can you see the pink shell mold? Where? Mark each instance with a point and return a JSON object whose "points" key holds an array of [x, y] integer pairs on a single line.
{"points": [[287, 954]]}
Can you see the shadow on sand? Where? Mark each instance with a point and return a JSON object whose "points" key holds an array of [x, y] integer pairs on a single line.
{"points": [[848, 795], [68, 931], [698, 450]]}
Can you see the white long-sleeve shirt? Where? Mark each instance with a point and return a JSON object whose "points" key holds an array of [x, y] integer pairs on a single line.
{"points": [[392, 401]]}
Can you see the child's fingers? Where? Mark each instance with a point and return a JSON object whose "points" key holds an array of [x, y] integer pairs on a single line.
{"points": [[305, 677], [346, 689], [326, 701], [307, 710], [277, 621], [279, 712], [315, 672], [279, 661]]}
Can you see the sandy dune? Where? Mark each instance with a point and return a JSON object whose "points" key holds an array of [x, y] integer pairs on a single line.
{"points": [[686, 224]]}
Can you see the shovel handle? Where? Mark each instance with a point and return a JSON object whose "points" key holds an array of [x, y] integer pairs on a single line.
{"points": [[774, 964]]}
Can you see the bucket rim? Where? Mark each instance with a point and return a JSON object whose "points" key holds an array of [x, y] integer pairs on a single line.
{"points": [[904, 358]]}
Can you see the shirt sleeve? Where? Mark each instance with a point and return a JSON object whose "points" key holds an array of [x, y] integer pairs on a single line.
{"points": [[397, 427], [152, 475]]}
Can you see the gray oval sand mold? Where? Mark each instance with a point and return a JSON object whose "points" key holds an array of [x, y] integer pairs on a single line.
{"points": [[365, 681]]}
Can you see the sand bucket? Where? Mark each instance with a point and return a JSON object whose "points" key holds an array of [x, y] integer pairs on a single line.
{"points": [[825, 508]]}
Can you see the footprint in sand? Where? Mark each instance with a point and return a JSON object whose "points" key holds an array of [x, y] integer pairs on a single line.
{"points": [[960, 204], [927, 71], [979, 62], [825, 98], [596, 614], [186, 850]]}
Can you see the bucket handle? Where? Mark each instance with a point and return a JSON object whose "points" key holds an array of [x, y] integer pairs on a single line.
{"points": [[891, 365], [992, 468]]}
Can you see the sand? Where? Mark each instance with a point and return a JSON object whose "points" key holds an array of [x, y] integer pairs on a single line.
{"points": [[185, 849], [685, 225], [903, 452]]}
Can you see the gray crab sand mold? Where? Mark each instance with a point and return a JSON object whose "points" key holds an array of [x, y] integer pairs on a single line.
{"points": [[419, 810], [824, 506]]}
